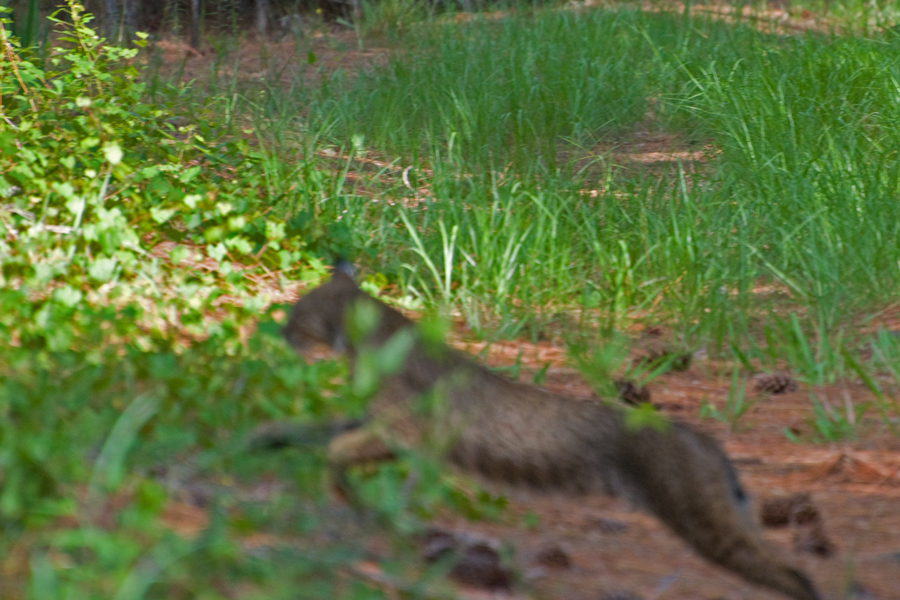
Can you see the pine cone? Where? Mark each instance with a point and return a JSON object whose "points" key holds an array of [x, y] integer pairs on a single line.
{"points": [[812, 540], [631, 393], [479, 565], [475, 562], [796, 509], [553, 557], [775, 383], [680, 361]]}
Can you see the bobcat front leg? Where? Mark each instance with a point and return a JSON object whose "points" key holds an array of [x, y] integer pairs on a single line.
{"points": [[375, 441], [347, 442], [357, 446], [275, 435]]}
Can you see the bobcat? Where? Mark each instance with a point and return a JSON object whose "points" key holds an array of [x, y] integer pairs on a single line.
{"points": [[521, 434]]}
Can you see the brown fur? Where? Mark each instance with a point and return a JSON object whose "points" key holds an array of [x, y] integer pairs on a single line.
{"points": [[521, 434]]}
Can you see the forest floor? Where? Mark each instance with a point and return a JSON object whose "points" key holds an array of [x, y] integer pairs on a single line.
{"points": [[854, 484], [612, 550]]}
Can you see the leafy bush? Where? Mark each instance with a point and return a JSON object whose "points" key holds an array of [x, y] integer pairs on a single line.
{"points": [[122, 231], [95, 181], [138, 249]]}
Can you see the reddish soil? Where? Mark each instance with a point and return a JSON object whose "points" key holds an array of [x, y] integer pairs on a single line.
{"points": [[855, 485], [333, 48]]}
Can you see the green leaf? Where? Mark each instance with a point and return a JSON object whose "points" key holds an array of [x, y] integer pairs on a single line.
{"points": [[189, 174], [392, 354], [240, 243], [218, 251], [362, 319], [112, 152], [275, 231], [65, 190], [161, 215], [178, 254], [67, 295], [192, 199], [75, 205], [645, 415], [237, 223], [109, 468], [102, 269], [213, 234]]}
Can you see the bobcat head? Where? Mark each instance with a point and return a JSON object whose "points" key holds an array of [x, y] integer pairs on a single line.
{"points": [[318, 317]]}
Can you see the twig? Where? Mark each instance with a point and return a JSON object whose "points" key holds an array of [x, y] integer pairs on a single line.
{"points": [[12, 208], [405, 177], [11, 56]]}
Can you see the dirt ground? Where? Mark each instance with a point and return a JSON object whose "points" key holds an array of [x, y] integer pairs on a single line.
{"points": [[617, 551]]}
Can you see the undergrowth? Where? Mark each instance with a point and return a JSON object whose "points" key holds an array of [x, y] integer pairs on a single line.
{"points": [[150, 231], [144, 251]]}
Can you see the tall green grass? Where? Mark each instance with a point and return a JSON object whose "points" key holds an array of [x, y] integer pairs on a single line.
{"points": [[517, 90], [798, 197], [772, 250]]}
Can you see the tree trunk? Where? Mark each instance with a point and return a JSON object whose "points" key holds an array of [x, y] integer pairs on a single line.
{"points": [[262, 17], [112, 19], [130, 8], [195, 24]]}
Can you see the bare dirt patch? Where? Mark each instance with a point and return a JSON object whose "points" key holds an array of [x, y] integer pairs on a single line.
{"points": [[311, 58]]}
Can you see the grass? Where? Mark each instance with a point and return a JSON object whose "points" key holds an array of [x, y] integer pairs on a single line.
{"points": [[515, 212], [796, 199], [774, 249]]}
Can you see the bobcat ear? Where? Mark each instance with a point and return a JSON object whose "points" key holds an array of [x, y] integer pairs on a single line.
{"points": [[344, 267]]}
